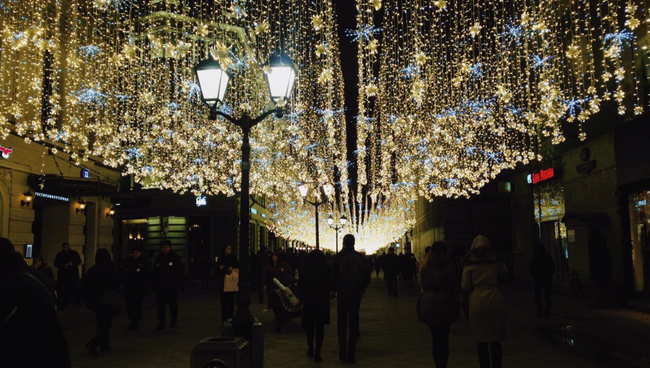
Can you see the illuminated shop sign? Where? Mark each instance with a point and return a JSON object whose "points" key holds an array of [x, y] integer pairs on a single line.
{"points": [[85, 174], [538, 177], [52, 196], [5, 152], [201, 201]]}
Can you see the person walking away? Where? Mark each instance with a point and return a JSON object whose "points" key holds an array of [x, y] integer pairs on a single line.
{"points": [[377, 263], [542, 268], [168, 277], [30, 331], [39, 264], [262, 260], [487, 315], [101, 279], [225, 264], [314, 286], [409, 265], [67, 262], [440, 303], [274, 269], [136, 285], [391, 267], [350, 279]]}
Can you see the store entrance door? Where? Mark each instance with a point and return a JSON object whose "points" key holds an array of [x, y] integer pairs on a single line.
{"points": [[555, 242]]}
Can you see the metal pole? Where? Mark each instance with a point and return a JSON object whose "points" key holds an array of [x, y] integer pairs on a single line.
{"points": [[317, 243], [337, 239], [243, 320]]}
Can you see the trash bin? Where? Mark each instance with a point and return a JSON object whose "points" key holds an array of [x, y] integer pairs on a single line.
{"points": [[257, 342], [233, 351]]}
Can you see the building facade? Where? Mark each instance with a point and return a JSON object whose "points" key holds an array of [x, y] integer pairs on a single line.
{"points": [[45, 200]]}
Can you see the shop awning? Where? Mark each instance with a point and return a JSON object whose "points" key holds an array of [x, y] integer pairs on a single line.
{"points": [[69, 186]]}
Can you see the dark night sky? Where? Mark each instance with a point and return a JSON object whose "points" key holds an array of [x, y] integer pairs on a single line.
{"points": [[347, 12]]}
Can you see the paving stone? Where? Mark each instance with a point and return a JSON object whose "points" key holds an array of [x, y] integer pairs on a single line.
{"points": [[391, 336]]}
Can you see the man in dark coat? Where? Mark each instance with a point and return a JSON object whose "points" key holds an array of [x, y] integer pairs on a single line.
{"points": [[135, 272], [168, 277], [391, 265], [67, 261], [30, 333], [409, 265], [542, 268], [350, 279]]}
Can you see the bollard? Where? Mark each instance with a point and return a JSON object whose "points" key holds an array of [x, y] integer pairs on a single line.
{"points": [[257, 342], [234, 352]]}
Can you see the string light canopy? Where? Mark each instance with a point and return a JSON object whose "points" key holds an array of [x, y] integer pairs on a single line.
{"points": [[374, 225], [452, 93]]}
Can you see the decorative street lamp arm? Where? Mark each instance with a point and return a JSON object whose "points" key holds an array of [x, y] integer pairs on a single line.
{"points": [[238, 122]]}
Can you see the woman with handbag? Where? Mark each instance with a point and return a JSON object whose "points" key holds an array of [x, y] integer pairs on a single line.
{"points": [[487, 311], [439, 305], [101, 295], [225, 264]]}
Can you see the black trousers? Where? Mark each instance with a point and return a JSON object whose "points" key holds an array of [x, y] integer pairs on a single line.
{"points": [[319, 329], [348, 306], [440, 339], [495, 353], [68, 289], [103, 319], [392, 285], [546, 309], [169, 296], [133, 305], [227, 305]]}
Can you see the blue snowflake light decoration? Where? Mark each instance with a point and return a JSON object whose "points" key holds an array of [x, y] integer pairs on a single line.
{"points": [[366, 33], [90, 51]]}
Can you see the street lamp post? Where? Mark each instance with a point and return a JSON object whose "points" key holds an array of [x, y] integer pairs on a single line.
{"points": [[213, 81], [327, 190], [342, 221]]}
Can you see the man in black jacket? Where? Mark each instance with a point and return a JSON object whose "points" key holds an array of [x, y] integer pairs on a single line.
{"points": [[136, 284], [30, 332], [350, 279], [67, 261], [168, 277]]}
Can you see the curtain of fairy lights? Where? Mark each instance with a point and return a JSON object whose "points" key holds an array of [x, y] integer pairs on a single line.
{"points": [[453, 92]]}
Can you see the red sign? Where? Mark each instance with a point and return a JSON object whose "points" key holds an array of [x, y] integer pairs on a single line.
{"points": [[5, 152], [543, 175]]}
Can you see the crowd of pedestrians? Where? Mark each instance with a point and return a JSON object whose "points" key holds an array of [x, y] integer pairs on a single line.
{"points": [[449, 280]]}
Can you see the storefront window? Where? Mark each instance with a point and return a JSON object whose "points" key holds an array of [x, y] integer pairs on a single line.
{"points": [[549, 210], [549, 202], [640, 228]]}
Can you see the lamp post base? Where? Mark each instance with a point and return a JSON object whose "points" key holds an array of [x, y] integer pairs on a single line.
{"points": [[243, 320]]}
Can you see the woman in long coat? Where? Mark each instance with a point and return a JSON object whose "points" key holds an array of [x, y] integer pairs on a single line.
{"points": [[440, 305], [314, 286], [487, 314]]}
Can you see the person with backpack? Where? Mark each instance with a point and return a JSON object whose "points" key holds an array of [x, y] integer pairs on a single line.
{"points": [[542, 268], [350, 280]]}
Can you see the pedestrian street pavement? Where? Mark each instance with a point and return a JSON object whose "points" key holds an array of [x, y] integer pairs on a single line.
{"points": [[391, 336]]}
